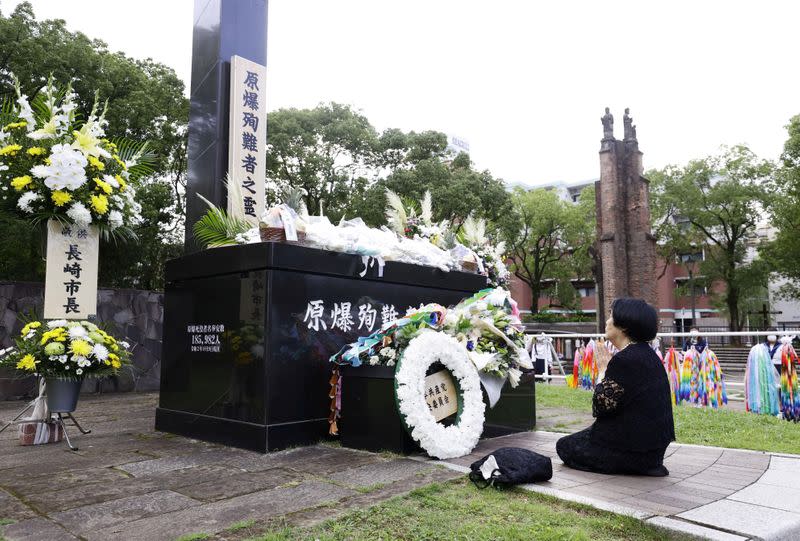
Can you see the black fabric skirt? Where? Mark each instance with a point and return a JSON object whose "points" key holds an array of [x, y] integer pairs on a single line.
{"points": [[579, 452]]}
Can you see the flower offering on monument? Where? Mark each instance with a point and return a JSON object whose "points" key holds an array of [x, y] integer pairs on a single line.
{"points": [[488, 326], [66, 350], [490, 255], [55, 166]]}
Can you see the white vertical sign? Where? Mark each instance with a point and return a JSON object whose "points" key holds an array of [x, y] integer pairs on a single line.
{"points": [[247, 144], [70, 289]]}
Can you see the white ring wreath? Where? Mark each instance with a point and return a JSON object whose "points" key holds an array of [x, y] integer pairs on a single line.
{"points": [[437, 440]]}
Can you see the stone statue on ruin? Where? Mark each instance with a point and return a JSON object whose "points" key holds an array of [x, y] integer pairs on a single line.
{"points": [[630, 129], [608, 125]]}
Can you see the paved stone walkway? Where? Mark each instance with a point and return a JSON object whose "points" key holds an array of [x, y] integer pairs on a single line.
{"points": [[711, 492], [130, 482]]}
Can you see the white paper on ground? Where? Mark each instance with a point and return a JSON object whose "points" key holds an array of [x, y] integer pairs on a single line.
{"points": [[489, 467]]}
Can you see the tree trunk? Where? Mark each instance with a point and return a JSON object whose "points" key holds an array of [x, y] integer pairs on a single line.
{"points": [[732, 300], [534, 299]]}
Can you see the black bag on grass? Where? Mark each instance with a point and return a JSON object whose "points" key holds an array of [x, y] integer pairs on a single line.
{"points": [[510, 466]]}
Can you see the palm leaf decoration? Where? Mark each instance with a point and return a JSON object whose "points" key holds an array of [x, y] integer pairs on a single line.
{"points": [[7, 111], [396, 213], [219, 228], [139, 154]]}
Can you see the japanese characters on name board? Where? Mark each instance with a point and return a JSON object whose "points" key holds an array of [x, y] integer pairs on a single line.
{"points": [[252, 298], [248, 135], [71, 275], [440, 394]]}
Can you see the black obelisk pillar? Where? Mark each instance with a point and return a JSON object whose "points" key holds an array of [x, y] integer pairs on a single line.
{"points": [[222, 28]]}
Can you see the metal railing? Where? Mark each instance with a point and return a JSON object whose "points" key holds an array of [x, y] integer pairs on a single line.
{"points": [[722, 336], [565, 343]]}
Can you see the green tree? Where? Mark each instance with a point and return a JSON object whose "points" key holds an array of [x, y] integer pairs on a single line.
{"points": [[784, 251], [146, 102], [457, 190], [719, 200], [548, 241], [328, 151]]}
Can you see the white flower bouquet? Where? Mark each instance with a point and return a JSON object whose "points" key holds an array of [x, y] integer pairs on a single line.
{"points": [[65, 350], [53, 166]]}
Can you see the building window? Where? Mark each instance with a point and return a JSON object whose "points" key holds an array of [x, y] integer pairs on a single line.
{"points": [[587, 291], [691, 256], [699, 289]]}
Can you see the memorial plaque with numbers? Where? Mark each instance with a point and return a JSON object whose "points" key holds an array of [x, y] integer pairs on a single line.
{"points": [[250, 367]]}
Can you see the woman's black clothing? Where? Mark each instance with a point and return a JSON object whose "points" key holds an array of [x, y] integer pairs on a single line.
{"points": [[578, 452], [634, 422]]}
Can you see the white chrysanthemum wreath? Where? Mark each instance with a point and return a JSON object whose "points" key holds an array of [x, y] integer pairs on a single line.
{"points": [[436, 439]]}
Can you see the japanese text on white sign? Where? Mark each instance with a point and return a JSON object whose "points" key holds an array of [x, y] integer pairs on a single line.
{"points": [[71, 278], [248, 135]]}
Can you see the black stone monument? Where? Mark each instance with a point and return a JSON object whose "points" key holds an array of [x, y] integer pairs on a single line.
{"points": [[222, 29], [249, 330]]}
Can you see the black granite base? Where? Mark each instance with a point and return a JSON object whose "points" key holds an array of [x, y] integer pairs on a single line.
{"points": [[249, 330], [514, 412], [370, 419]]}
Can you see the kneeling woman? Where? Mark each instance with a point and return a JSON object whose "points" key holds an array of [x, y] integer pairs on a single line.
{"points": [[632, 402]]}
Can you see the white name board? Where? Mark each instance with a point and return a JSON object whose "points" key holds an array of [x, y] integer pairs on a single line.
{"points": [[440, 395], [247, 142], [70, 290]]}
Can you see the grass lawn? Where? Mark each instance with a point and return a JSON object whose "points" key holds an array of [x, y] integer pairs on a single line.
{"points": [[702, 426], [458, 510]]}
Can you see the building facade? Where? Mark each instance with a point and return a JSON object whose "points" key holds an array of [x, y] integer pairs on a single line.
{"points": [[672, 283]]}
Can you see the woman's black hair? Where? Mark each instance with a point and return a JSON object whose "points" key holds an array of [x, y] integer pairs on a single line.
{"points": [[637, 319]]}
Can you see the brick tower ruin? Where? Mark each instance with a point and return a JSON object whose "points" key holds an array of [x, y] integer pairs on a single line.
{"points": [[626, 247]]}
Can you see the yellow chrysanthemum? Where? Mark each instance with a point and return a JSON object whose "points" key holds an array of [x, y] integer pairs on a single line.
{"points": [[36, 151], [19, 183], [59, 334], [122, 183], [103, 186], [80, 347], [108, 363], [97, 164], [99, 203], [116, 364], [13, 125], [28, 362], [120, 162], [60, 198], [30, 326], [10, 150], [114, 347]]}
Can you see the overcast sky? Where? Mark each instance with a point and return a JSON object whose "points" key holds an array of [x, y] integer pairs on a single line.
{"points": [[524, 82]]}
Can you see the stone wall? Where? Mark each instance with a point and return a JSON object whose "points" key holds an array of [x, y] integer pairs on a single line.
{"points": [[129, 314]]}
